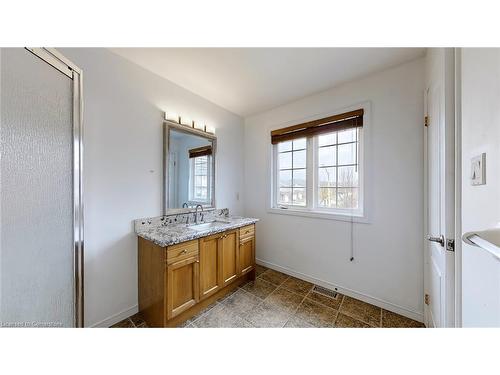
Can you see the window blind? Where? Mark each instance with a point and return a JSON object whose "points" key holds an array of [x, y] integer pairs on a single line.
{"points": [[343, 121], [200, 151]]}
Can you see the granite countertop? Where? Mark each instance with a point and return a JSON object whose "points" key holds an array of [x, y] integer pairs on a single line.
{"points": [[170, 234]]}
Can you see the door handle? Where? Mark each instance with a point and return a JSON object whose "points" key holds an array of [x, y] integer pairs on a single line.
{"points": [[439, 240]]}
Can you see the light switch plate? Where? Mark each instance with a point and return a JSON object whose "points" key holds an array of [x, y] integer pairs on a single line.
{"points": [[478, 170]]}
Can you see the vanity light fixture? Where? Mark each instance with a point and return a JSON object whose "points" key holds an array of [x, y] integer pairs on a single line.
{"points": [[186, 121], [172, 116], [199, 125]]}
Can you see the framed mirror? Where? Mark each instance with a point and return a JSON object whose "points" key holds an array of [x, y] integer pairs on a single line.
{"points": [[189, 167]]}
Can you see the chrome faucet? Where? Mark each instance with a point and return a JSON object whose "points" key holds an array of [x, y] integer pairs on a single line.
{"points": [[196, 213], [185, 205]]}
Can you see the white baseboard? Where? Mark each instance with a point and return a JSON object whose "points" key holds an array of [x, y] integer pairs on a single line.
{"points": [[113, 319], [415, 315]]}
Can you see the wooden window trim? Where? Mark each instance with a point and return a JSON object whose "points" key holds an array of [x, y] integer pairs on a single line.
{"points": [[343, 121]]}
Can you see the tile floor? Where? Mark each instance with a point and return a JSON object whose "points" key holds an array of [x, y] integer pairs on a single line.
{"points": [[278, 300]]}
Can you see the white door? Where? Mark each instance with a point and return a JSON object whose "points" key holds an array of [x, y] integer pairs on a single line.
{"points": [[439, 309], [172, 182]]}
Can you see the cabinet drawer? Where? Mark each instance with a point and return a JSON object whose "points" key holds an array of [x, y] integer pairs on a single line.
{"points": [[182, 251], [247, 231]]}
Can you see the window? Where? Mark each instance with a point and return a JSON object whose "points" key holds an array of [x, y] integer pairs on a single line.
{"points": [[292, 156], [338, 169], [320, 172], [199, 177]]}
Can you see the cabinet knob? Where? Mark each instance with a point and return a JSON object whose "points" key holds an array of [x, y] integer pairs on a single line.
{"points": [[184, 251]]}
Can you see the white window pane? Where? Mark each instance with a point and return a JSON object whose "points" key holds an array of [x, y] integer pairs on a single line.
{"points": [[285, 178], [327, 156], [285, 160], [299, 196], [200, 168], [327, 197], [285, 196], [200, 192], [346, 136], [348, 177], [327, 177], [201, 160], [347, 198], [200, 165], [299, 144], [204, 181], [299, 178], [347, 154], [327, 139], [198, 181], [299, 159], [284, 146]]}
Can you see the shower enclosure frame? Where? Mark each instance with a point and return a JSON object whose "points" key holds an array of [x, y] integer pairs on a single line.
{"points": [[65, 66]]}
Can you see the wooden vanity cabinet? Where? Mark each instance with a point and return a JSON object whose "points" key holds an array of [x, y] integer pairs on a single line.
{"points": [[182, 286], [229, 257], [246, 249], [182, 274], [210, 265], [219, 262], [176, 282]]}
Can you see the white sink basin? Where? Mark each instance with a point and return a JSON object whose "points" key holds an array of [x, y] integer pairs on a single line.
{"points": [[209, 225]]}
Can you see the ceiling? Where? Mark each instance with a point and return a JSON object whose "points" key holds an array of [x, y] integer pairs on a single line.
{"points": [[246, 81]]}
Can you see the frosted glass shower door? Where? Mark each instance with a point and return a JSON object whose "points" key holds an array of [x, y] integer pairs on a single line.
{"points": [[37, 286]]}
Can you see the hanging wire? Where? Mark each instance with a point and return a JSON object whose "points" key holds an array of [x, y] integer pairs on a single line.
{"points": [[356, 153], [352, 217], [352, 234]]}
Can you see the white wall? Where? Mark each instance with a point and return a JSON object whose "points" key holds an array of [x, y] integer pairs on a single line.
{"points": [[480, 204], [123, 111], [388, 265]]}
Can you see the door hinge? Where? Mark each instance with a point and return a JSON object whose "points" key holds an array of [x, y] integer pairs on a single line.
{"points": [[427, 299], [450, 245], [426, 120]]}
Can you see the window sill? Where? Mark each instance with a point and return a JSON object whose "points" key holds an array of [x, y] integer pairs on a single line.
{"points": [[319, 215]]}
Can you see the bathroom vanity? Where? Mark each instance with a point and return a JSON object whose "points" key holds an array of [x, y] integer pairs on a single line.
{"points": [[183, 268], [194, 254]]}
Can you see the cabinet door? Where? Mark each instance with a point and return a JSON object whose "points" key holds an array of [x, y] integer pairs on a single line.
{"points": [[210, 265], [247, 254], [229, 257], [182, 286]]}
